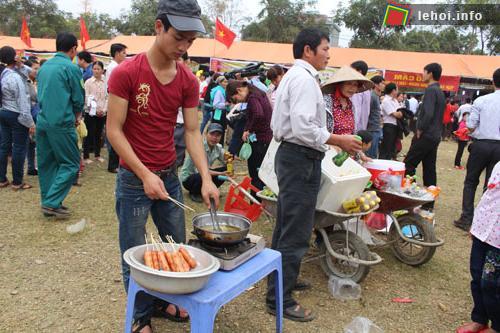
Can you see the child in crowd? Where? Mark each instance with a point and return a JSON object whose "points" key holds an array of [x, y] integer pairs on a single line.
{"points": [[462, 134], [485, 261]]}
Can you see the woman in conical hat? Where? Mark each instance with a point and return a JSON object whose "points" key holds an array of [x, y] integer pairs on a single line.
{"points": [[337, 93]]}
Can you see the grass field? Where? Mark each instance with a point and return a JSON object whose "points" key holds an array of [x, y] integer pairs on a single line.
{"points": [[52, 281]]}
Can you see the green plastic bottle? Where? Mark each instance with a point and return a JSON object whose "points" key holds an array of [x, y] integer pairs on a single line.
{"points": [[341, 157]]}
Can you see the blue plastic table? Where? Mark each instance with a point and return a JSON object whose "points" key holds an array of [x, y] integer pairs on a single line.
{"points": [[222, 287]]}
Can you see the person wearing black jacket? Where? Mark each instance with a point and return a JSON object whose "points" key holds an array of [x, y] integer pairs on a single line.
{"points": [[425, 143]]}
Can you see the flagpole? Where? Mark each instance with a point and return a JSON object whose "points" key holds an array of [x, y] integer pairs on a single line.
{"points": [[215, 21]]}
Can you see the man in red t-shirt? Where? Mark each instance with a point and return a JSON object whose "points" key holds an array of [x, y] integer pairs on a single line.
{"points": [[146, 93]]}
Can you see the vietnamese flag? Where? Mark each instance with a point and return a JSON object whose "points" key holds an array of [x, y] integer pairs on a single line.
{"points": [[25, 33], [84, 34], [223, 34]]}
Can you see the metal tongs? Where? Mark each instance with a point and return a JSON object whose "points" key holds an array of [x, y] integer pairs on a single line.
{"points": [[213, 215]]}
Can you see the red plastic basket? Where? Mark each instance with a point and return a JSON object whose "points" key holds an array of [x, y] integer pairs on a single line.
{"points": [[238, 203]]}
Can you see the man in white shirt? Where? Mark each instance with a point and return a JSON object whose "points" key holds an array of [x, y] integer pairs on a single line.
{"points": [[299, 122], [484, 124], [118, 52], [390, 116], [413, 104]]}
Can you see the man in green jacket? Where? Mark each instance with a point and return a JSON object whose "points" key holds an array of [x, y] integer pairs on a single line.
{"points": [[61, 95]]}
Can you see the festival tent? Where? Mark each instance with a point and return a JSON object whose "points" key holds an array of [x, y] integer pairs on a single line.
{"points": [[453, 64], [472, 66]]}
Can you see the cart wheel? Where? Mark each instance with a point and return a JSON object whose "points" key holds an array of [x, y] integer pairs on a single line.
{"points": [[418, 229], [342, 268]]}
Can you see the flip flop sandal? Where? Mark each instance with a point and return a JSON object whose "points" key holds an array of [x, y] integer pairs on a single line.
{"points": [[160, 310], [140, 323], [4, 184], [23, 186], [294, 313]]}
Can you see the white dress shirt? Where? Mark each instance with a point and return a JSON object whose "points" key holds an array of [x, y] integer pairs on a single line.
{"points": [[299, 114], [485, 117], [389, 106], [413, 104], [111, 66]]}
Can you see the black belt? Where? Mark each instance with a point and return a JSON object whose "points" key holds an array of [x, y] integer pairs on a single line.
{"points": [[170, 170], [309, 152], [486, 140]]}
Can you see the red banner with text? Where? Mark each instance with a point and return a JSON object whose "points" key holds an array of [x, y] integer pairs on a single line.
{"points": [[414, 80]]}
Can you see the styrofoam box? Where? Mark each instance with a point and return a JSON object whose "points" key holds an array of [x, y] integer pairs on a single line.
{"points": [[337, 183]]}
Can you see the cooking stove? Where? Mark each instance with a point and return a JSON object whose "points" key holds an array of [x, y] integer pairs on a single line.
{"points": [[233, 256]]}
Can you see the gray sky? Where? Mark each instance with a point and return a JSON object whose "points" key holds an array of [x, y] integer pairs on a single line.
{"points": [[114, 7]]}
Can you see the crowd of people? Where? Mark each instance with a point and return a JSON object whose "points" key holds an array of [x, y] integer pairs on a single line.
{"points": [[145, 110]]}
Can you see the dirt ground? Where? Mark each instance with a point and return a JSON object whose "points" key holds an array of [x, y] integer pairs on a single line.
{"points": [[52, 281]]}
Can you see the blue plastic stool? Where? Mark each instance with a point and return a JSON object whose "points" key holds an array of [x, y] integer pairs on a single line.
{"points": [[222, 287]]}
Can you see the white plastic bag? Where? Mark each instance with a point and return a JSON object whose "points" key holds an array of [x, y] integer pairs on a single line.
{"points": [[362, 325], [343, 289], [77, 227]]}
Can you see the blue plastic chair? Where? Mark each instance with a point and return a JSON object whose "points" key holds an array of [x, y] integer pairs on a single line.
{"points": [[222, 287]]}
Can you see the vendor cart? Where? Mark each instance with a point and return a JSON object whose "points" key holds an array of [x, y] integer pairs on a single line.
{"points": [[343, 253]]}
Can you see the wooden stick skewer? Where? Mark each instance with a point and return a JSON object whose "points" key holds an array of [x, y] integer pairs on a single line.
{"points": [[180, 204]]}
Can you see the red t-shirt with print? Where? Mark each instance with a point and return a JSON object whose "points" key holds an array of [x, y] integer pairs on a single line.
{"points": [[152, 108]]}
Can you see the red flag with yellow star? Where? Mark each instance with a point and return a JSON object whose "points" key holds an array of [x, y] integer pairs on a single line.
{"points": [[223, 34], [25, 33]]}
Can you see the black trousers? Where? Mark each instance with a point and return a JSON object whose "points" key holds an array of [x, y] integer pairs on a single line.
{"points": [[460, 152], [423, 150], [388, 145], [193, 183], [259, 150], [483, 155], [298, 170], [95, 125], [485, 283]]}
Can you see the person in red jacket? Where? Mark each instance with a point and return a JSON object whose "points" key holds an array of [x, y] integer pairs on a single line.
{"points": [[462, 134], [451, 107]]}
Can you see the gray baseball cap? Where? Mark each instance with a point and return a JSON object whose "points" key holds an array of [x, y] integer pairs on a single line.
{"points": [[184, 15], [215, 127]]}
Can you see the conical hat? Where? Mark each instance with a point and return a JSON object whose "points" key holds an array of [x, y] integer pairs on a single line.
{"points": [[343, 74]]}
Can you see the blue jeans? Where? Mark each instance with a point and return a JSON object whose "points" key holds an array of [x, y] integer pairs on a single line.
{"points": [[485, 284], [132, 209], [207, 115], [14, 138], [373, 151]]}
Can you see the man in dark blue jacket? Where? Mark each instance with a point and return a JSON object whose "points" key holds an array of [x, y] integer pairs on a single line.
{"points": [[424, 145]]}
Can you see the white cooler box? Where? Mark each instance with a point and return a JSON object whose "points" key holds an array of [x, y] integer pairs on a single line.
{"points": [[338, 184]]}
